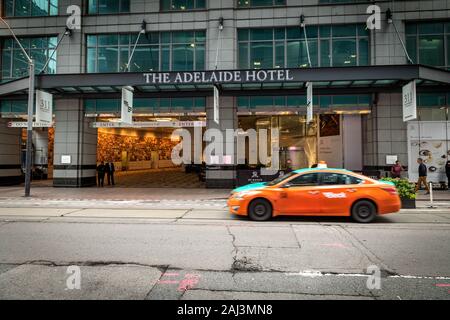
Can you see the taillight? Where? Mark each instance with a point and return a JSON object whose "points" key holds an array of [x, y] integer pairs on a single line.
{"points": [[391, 190]]}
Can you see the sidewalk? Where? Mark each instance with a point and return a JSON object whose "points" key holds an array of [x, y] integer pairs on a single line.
{"points": [[112, 197], [109, 193]]}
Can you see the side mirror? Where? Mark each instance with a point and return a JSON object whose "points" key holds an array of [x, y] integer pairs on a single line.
{"points": [[286, 186]]}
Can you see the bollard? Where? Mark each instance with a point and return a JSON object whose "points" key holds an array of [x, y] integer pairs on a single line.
{"points": [[431, 196]]}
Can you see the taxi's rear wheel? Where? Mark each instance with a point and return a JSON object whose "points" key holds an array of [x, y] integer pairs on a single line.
{"points": [[364, 211], [260, 210]]}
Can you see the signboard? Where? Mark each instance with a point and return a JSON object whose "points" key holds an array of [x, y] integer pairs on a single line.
{"points": [[150, 124], [211, 77], [66, 159], [409, 101], [44, 107], [127, 105], [247, 176], [24, 124], [216, 105], [391, 159], [430, 141], [309, 102]]}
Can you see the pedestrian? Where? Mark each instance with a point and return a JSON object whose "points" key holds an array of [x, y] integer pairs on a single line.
{"points": [[110, 169], [447, 172], [422, 176], [101, 169], [396, 170]]}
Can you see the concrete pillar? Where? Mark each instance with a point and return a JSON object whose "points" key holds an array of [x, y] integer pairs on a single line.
{"points": [[40, 144], [223, 175], [10, 151], [76, 143], [384, 133]]}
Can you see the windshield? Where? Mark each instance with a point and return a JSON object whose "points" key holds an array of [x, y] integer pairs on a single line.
{"points": [[281, 179]]}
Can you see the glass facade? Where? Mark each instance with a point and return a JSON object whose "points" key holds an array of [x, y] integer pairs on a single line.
{"points": [[429, 43], [108, 6], [148, 105], [169, 5], [255, 103], [340, 1], [14, 63], [164, 51], [329, 45], [433, 106], [30, 8], [14, 106], [260, 3]]}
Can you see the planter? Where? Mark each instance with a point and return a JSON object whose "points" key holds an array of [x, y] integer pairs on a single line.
{"points": [[408, 203]]}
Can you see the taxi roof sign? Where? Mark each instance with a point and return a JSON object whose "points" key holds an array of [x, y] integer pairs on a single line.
{"points": [[322, 165]]}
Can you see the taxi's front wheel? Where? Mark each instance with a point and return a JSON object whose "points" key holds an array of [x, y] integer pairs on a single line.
{"points": [[364, 211], [260, 210]]}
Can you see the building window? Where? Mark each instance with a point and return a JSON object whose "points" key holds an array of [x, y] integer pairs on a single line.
{"points": [[15, 64], [429, 43], [164, 51], [260, 3], [173, 5], [340, 1], [30, 8], [147, 105], [326, 103], [108, 6], [433, 106], [329, 45]]}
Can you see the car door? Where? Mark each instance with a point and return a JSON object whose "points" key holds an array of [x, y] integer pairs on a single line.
{"points": [[338, 192], [298, 195]]}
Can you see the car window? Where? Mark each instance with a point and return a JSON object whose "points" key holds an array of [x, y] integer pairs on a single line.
{"points": [[309, 179], [333, 179], [281, 179]]}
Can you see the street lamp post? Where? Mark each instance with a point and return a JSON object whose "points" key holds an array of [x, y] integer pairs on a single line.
{"points": [[30, 112]]}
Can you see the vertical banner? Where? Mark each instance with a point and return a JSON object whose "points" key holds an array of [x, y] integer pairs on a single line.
{"points": [[44, 107], [216, 104], [309, 102], [127, 105], [409, 102]]}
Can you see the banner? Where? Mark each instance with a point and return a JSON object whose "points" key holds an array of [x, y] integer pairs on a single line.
{"points": [[150, 124], [216, 105], [409, 101], [309, 102], [44, 107], [24, 124], [430, 141], [127, 105]]}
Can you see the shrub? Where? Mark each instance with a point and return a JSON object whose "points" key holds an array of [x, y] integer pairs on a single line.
{"points": [[405, 189]]}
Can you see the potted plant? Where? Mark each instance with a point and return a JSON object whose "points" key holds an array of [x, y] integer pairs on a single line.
{"points": [[406, 192]]}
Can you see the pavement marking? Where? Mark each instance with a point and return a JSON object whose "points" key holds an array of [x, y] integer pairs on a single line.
{"points": [[315, 274]]}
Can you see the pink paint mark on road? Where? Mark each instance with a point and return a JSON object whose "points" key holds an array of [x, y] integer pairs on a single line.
{"points": [[443, 285], [168, 282], [335, 245], [189, 282]]}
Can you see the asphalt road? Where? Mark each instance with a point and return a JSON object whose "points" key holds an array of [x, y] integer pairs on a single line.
{"points": [[207, 254]]}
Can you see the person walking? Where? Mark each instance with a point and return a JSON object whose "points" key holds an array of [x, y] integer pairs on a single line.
{"points": [[110, 173], [396, 170], [422, 176], [447, 172], [101, 169]]}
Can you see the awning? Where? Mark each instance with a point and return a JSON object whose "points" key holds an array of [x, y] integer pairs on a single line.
{"points": [[331, 80]]}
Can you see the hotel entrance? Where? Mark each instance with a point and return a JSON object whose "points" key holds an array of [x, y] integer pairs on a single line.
{"points": [[142, 158], [141, 152]]}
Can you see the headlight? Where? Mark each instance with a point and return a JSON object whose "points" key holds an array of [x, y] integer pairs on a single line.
{"points": [[238, 196]]}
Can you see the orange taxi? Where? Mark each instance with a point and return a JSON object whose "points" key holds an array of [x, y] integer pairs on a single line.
{"points": [[316, 192]]}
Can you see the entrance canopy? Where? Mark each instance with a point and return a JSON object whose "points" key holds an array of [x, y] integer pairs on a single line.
{"points": [[333, 80]]}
